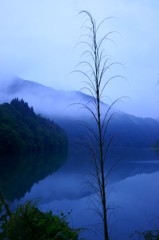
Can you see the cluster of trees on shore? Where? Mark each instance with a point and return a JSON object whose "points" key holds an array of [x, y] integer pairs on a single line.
{"points": [[21, 130]]}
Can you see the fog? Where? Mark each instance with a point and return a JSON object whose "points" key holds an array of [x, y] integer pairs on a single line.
{"points": [[48, 101], [38, 39]]}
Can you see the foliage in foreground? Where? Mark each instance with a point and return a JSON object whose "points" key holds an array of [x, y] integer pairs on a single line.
{"points": [[147, 235], [29, 223], [153, 235]]}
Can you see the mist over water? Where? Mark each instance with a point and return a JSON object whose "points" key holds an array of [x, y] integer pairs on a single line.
{"points": [[133, 179], [36, 43], [66, 108]]}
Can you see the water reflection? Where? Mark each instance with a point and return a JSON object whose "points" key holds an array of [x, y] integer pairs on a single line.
{"points": [[19, 173], [134, 183], [70, 181], [134, 190]]}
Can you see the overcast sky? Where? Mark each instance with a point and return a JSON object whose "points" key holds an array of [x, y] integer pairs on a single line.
{"points": [[38, 39]]}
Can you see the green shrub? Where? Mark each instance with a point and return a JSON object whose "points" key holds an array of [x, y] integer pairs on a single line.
{"points": [[146, 235], [29, 223]]}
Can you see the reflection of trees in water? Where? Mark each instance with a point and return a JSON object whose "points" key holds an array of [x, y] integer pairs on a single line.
{"points": [[133, 161], [157, 151], [19, 173]]}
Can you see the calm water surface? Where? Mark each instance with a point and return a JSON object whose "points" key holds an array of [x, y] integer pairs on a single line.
{"points": [[134, 194]]}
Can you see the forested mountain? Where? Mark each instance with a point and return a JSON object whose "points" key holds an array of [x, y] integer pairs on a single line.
{"points": [[21, 130], [128, 130]]}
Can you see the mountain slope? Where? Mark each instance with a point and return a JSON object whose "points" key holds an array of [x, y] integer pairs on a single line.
{"points": [[21, 130], [63, 107]]}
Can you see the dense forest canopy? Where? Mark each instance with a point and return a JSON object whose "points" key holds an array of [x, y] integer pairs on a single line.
{"points": [[21, 130]]}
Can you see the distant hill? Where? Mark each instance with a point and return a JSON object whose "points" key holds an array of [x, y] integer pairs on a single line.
{"points": [[22, 131], [63, 107]]}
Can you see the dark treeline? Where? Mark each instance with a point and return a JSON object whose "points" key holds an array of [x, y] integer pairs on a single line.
{"points": [[21, 130]]}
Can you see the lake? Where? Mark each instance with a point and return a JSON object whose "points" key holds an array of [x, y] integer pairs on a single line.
{"points": [[133, 185]]}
